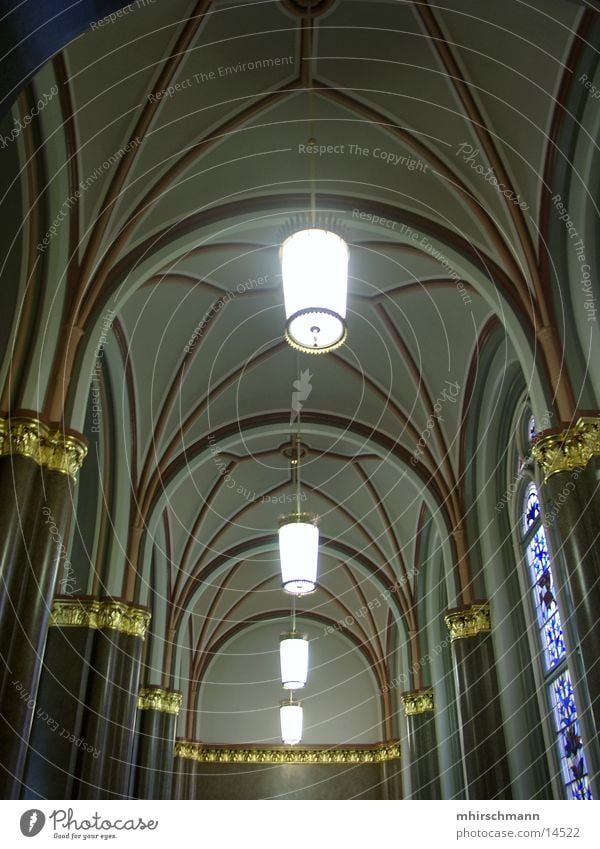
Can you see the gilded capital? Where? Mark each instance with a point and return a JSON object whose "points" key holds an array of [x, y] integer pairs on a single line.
{"points": [[92, 613], [132, 621], [74, 613], [570, 449], [421, 701], [469, 621], [163, 701], [290, 755], [56, 450]]}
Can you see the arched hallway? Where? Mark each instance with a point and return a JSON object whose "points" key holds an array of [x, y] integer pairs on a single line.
{"points": [[155, 423]]}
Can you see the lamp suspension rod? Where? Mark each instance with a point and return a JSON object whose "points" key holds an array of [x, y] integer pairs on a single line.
{"points": [[313, 201], [298, 446], [298, 471], [311, 116]]}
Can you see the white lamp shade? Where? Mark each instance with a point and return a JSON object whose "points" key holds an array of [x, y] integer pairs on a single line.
{"points": [[298, 553], [290, 716], [293, 656], [314, 268]]}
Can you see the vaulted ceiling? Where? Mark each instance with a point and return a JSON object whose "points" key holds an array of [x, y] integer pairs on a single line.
{"points": [[186, 123]]}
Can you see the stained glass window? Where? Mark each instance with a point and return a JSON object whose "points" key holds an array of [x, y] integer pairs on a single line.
{"points": [[531, 431], [544, 600], [571, 756], [560, 690], [532, 508]]}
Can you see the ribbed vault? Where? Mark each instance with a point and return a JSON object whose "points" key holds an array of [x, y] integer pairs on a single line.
{"points": [[186, 125]]}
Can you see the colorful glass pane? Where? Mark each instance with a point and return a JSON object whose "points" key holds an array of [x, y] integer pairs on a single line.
{"points": [[532, 507], [569, 740], [544, 600], [531, 429]]}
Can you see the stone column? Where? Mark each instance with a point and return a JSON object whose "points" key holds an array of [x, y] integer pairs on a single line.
{"points": [[422, 744], [38, 466], [570, 501], [157, 723], [108, 725], [481, 726]]}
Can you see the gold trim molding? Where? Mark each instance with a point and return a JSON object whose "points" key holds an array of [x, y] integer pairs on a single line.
{"points": [[421, 701], [91, 613], [571, 449], [294, 755], [52, 449], [469, 621], [163, 701]]}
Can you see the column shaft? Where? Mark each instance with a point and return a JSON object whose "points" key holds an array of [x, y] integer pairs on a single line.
{"points": [[481, 724], [422, 745], [36, 504], [56, 738], [110, 709], [155, 750], [184, 778]]}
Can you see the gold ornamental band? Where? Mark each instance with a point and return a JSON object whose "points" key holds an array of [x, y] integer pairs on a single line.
{"points": [[53, 449], [163, 701], [421, 701], [86, 613], [219, 754], [571, 449], [469, 621]]}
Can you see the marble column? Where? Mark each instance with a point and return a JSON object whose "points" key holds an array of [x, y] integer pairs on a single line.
{"points": [[185, 770], [481, 726], [391, 778], [155, 750], [55, 741], [422, 744], [570, 501], [105, 764], [38, 467]]}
